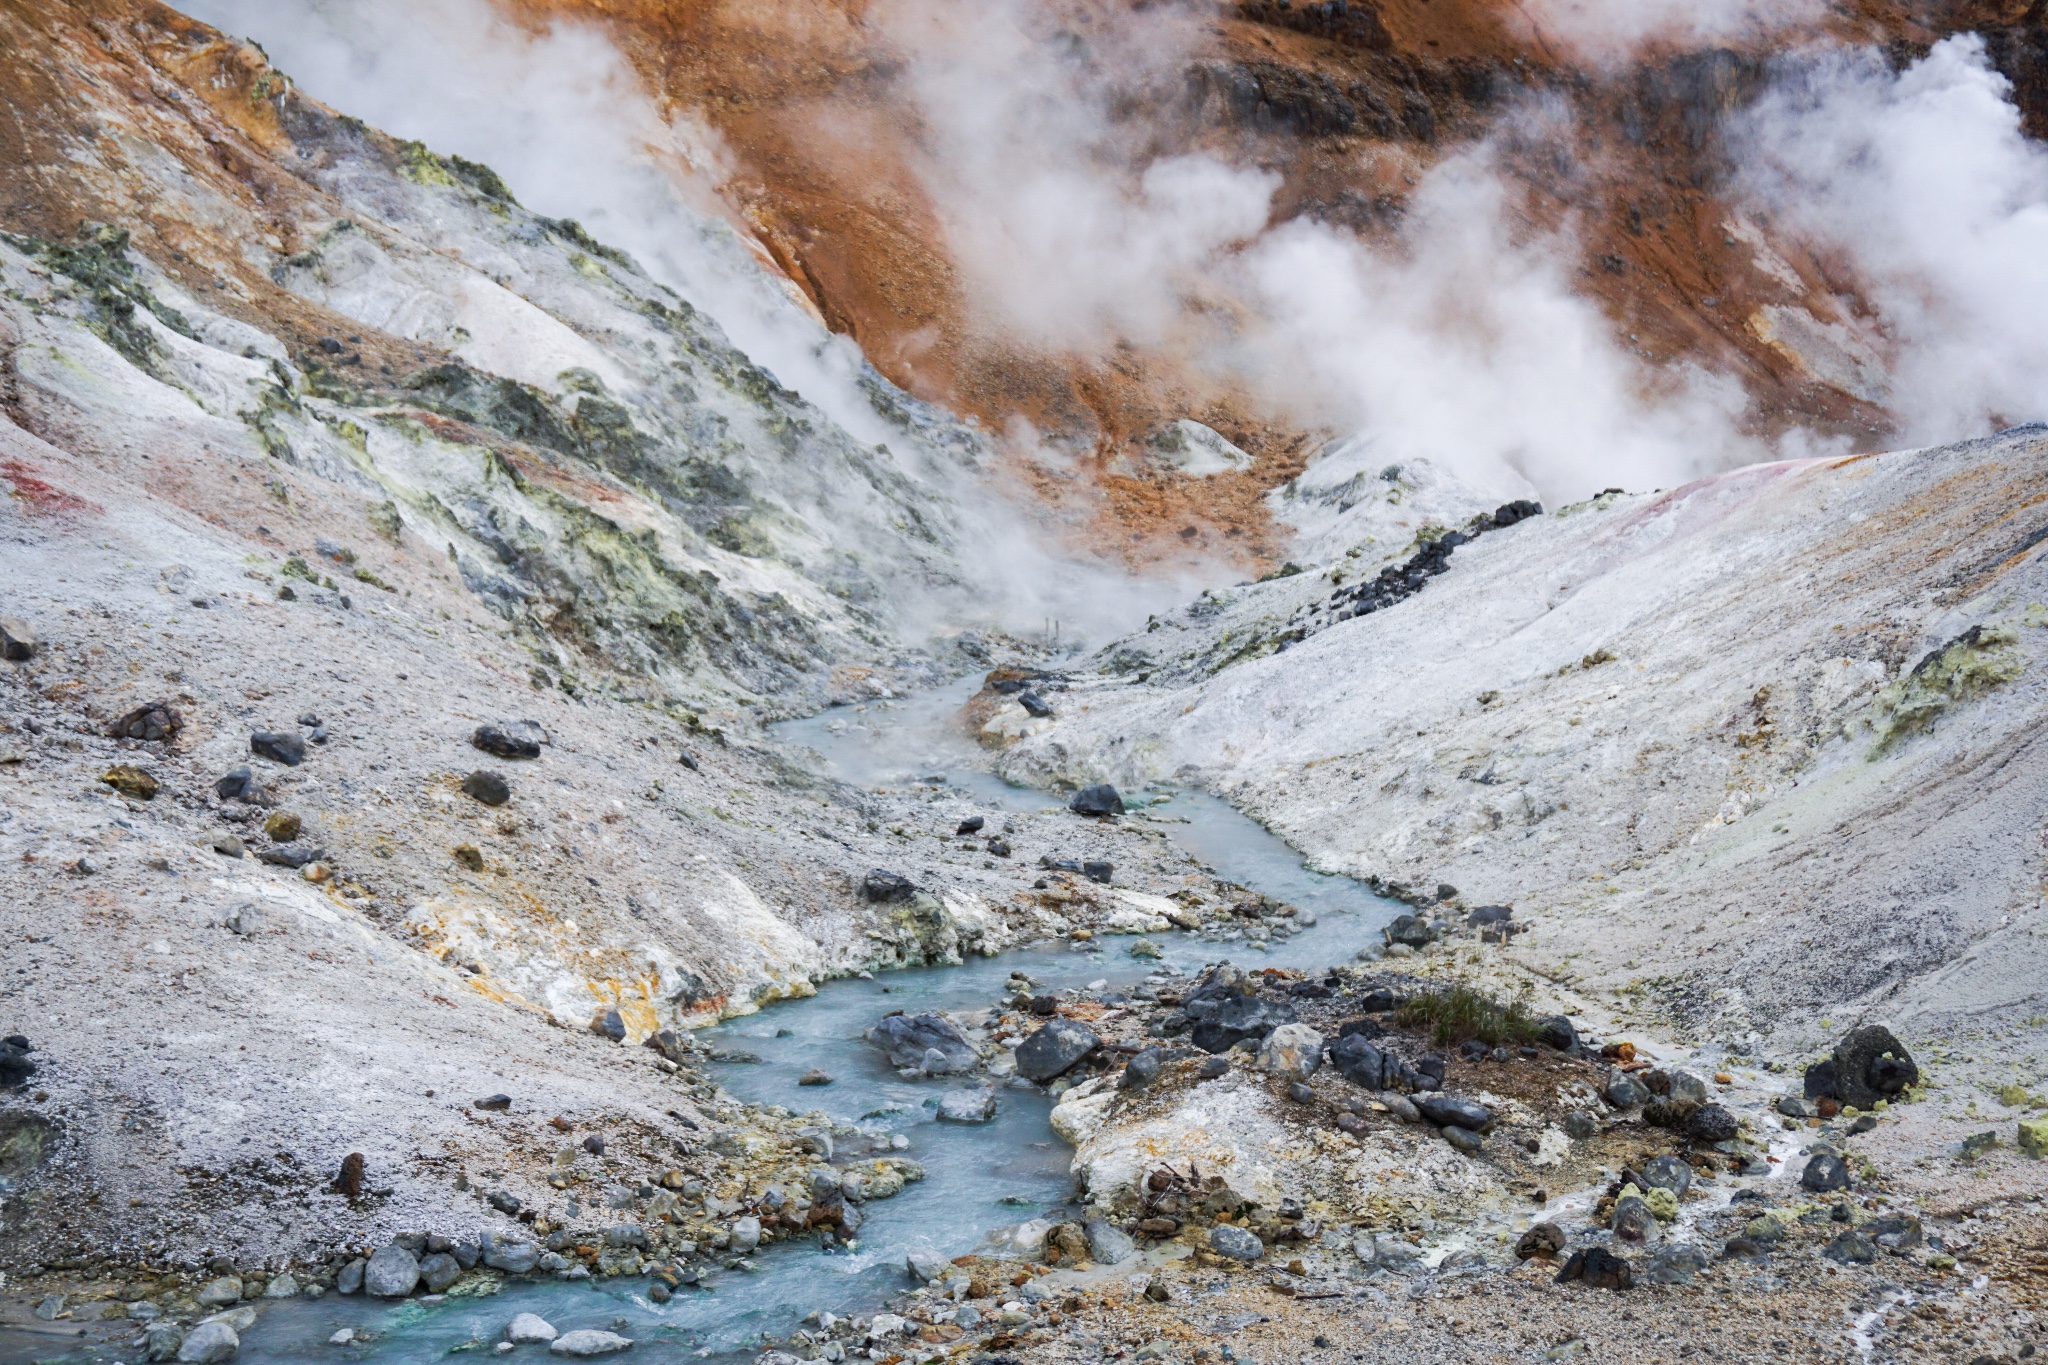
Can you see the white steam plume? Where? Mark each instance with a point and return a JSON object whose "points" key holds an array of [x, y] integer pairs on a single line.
{"points": [[1608, 32], [562, 117], [1468, 348], [1924, 181], [1463, 342], [1071, 237]]}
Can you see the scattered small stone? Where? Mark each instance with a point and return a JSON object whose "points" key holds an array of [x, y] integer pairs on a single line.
{"points": [[282, 826], [1145, 948], [1236, 1243], [278, 747], [504, 1201], [999, 847], [1580, 1125], [501, 742], [1597, 1268], [1300, 1093], [1464, 1139], [18, 641], [1544, 1239], [1825, 1172], [2032, 1137], [1099, 801], [1976, 1144], [153, 720], [971, 825], [1853, 1247], [237, 784], [488, 787], [228, 846], [814, 1077], [209, 1343], [130, 780], [350, 1278], [588, 1342], [490, 1102], [470, 856], [1792, 1107], [1712, 1123], [1213, 1067]]}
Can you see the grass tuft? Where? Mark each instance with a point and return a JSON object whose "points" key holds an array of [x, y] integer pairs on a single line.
{"points": [[1456, 1014]]}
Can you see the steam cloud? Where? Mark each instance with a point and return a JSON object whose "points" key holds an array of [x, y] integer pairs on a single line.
{"points": [[1923, 179], [1609, 31], [564, 119], [1462, 343], [1077, 223]]}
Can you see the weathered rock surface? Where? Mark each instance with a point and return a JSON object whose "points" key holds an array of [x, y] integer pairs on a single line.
{"points": [[925, 1042]]}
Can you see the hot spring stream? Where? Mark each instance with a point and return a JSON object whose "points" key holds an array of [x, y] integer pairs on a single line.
{"points": [[976, 1177]]}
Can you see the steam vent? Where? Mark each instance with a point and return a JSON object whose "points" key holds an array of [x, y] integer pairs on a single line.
{"points": [[1024, 682]]}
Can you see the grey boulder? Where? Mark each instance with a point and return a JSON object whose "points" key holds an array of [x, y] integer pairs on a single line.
{"points": [[967, 1106], [439, 1271], [1054, 1049], [588, 1342], [513, 1255], [350, 1280], [929, 1042], [1235, 1242], [1448, 1111], [392, 1273], [1624, 1091], [529, 1327], [209, 1343], [1107, 1245]]}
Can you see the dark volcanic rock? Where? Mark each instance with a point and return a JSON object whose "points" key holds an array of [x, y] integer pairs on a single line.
{"points": [[17, 640], [488, 787], [1871, 1065], [1820, 1080], [1099, 800], [1557, 1032], [1666, 1173], [1358, 1061], [1711, 1123], [278, 747], [236, 785], [1237, 1018], [1598, 1268], [15, 1067], [1544, 1239], [971, 825], [1054, 1049], [490, 1102], [1824, 1174], [1409, 930], [506, 741], [1451, 1111], [152, 720], [927, 1042], [884, 887]]}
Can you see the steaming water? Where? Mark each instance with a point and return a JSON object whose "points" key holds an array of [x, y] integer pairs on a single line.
{"points": [[976, 1178]]}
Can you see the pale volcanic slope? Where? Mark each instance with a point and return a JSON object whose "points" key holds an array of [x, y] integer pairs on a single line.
{"points": [[1751, 758]]}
